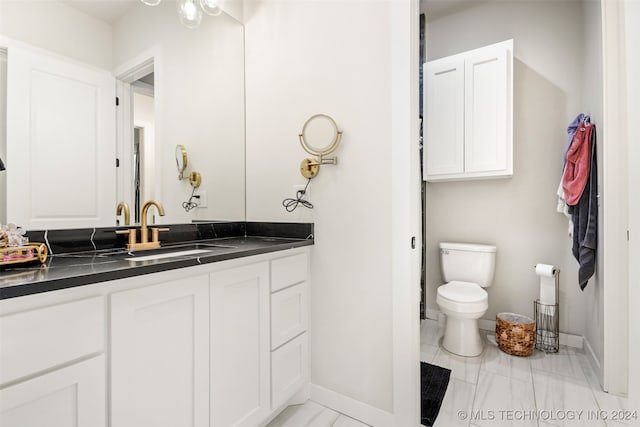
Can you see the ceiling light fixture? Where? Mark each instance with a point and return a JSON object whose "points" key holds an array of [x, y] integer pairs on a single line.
{"points": [[190, 11]]}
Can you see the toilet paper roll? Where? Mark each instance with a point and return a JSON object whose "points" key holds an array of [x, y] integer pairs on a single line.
{"points": [[547, 283], [546, 270]]}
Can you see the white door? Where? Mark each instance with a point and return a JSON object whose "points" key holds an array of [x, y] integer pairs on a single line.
{"points": [[444, 116], [240, 346], [486, 107], [69, 397], [60, 142], [160, 355]]}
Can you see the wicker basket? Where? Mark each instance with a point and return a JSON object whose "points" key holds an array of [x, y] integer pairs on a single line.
{"points": [[515, 334]]}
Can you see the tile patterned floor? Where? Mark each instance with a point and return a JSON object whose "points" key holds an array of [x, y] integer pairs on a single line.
{"points": [[496, 390], [543, 390], [312, 414]]}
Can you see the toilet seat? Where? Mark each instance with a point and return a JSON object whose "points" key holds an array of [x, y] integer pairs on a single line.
{"points": [[462, 297]]}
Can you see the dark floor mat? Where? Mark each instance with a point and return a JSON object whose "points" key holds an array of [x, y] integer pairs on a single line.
{"points": [[433, 385]]}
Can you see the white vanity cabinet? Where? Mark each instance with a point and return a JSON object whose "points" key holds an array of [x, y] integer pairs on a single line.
{"points": [[468, 124], [217, 345], [160, 354], [52, 363]]}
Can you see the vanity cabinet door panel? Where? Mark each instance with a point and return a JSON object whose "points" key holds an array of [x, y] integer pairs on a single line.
{"points": [[73, 396], [240, 346], [61, 146], [160, 355]]}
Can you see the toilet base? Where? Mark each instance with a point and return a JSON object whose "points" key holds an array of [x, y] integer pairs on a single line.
{"points": [[462, 337]]}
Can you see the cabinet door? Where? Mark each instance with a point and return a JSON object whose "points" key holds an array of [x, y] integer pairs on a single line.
{"points": [[240, 346], [444, 116], [160, 355], [73, 396], [487, 146]]}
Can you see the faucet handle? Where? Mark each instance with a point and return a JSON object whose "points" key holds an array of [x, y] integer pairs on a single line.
{"points": [[132, 235], [155, 233]]}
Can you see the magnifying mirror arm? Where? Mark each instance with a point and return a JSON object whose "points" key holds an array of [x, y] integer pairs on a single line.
{"points": [[324, 161]]}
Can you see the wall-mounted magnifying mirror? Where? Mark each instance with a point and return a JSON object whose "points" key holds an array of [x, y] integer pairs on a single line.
{"points": [[181, 160], [195, 179], [320, 136]]}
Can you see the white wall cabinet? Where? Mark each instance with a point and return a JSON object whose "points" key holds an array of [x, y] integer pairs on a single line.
{"points": [[240, 376], [468, 123], [159, 354]]}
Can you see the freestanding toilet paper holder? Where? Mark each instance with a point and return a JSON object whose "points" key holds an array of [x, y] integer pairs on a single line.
{"points": [[547, 318]]}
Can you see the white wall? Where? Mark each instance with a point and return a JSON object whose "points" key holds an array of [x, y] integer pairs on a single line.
{"points": [[518, 214], [333, 57], [199, 82], [54, 26]]}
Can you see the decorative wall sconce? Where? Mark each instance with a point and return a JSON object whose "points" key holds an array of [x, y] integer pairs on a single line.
{"points": [[320, 137], [195, 179]]}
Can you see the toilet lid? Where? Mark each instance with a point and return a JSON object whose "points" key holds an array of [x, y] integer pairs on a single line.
{"points": [[462, 292]]}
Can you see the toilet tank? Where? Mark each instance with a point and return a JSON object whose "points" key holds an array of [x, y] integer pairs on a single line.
{"points": [[468, 262]]}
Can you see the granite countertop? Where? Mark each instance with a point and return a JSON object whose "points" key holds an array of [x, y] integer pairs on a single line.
{"points": [[77, 268]]}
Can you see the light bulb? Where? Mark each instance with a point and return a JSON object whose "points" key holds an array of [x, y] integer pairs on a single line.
{"points": [[211, 7], [151, 2], [189, 13]]}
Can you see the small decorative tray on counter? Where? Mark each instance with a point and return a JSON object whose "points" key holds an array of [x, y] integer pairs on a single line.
{"points": [[12, 255]]}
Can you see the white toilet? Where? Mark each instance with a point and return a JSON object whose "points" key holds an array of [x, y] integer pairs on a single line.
{"points": [[467, 268]]}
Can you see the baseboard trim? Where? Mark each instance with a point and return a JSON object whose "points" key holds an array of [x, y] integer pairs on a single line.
{"points": [[350, 407], [593, 360], [570, 340]]}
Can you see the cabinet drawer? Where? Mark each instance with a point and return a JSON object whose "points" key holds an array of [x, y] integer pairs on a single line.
{"points": [[288, 271], [289, 370], [39, 339], [289, 314]]}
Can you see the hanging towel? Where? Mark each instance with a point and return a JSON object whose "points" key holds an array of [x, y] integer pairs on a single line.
{"points": [[562, 206], [576, 169], [585, 218], [571, 131]]}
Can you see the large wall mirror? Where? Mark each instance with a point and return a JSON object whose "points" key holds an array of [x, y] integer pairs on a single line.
{"points": [[72, 155]]}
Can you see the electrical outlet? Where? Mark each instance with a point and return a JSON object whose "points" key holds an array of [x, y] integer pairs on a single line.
{"points": [[202, 201], [307, 194]]}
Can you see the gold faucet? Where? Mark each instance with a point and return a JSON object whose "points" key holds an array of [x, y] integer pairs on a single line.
{"points": [[123, 206], [144, 231], [132, 245]]}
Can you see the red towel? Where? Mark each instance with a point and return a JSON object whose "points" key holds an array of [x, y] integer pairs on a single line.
{"points": [[576, 170]]}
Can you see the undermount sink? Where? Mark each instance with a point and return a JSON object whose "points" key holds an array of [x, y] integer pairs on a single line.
{"points": [[175, 251], [167, 255]]}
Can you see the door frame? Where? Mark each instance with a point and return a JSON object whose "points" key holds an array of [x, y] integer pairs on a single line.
{"points": [[146, 62], [405, 212]]}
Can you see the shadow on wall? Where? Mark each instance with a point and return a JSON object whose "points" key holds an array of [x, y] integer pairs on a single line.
{"points": [[518, 215]]}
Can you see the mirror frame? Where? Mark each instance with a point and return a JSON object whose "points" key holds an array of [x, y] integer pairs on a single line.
{"points": [[329, 148]]}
